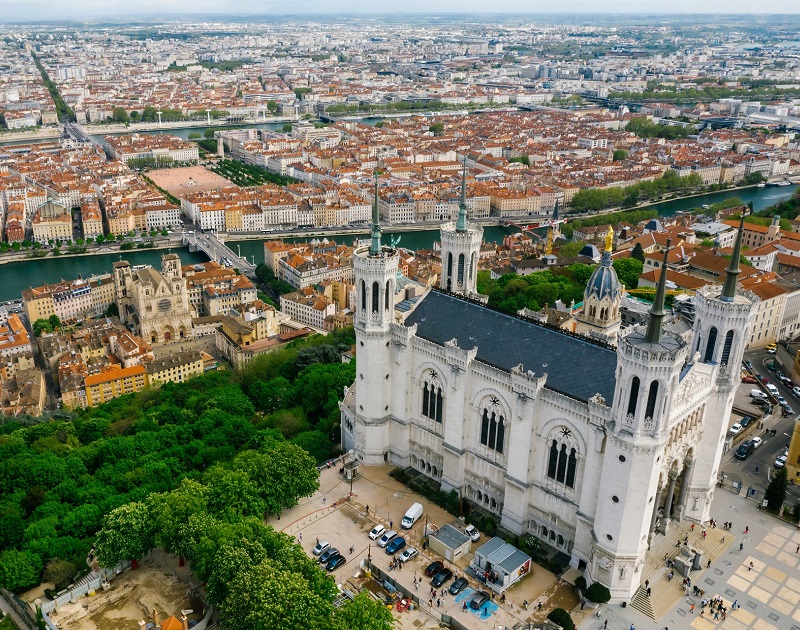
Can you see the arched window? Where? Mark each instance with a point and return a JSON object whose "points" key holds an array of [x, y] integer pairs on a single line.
{"points": [[386, 296], [710, 345], [493, 431], [472, 266], [432, 398], [375, 297], [363, 296], [726, 348], [562, 463], [461, 269], [634, 398], [561, 472], [652, 396], [449, 267]]}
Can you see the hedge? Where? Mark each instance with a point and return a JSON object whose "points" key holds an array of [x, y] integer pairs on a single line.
{"points": [[562, 618]]}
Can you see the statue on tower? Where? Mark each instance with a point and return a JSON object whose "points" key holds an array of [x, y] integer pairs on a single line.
{"points": [[610, 239]]}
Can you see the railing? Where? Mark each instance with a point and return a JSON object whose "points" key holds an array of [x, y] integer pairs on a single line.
{"points": [[75, 592]]}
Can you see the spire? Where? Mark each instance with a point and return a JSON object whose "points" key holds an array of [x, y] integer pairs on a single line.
{"points": [[375, 245], [555, 212], [654, 330], [461, 224], [732, 272]]}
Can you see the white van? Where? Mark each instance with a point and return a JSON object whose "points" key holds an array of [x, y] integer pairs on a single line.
{"points": [[412, 516], [772, 389], [757, 394]]}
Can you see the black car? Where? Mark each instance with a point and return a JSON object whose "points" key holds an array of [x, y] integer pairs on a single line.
{"points": [[459, 585], [745, 421], [326, 555], [441, 577], [335, 562], [744, 450], [433, 568], [479, 599], [748, 365]]}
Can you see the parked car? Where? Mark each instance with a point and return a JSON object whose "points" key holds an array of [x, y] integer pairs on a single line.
{"points": [[473, 533], [772, 389], [387, 536], [780, 375], [780, 462], [335, 562], [757, 394], [748, 365], [757, 441], [408, 554], [749, 379], [745, 449], [772, 367], [762, 378], [377, 532], [736, 429], [479, 599], [433, 568], [787, 407], [321, 547], [772, 348], [745, 421], [441, 577], [781, 399], [458, 585], [328, 554], [796, 391], [395, 545]]}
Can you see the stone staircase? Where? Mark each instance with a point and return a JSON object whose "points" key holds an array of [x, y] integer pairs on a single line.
{"points": [[665, 594]]}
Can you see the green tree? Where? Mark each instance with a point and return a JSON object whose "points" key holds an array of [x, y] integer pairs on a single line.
{"points": [[19, 569], [209, 134], [112, 310], [628, 271], [316, 444], [233, 490], [637, 252], [290, 422], [775, 493], [54, 322], [620, 155], [364, 613], [561, 617], [287, 128], [128, 533], [272, 106], [100, 239], [571, 249], [437, 129], [60, 573], [120, 115], [195, 135]]}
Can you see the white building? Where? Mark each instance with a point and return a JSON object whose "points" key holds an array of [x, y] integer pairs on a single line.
{"points": [[560, 435]]}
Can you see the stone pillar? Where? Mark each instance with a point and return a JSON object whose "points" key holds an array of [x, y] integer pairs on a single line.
{"points": [[668, 503], [687, 475], [655, 514]]}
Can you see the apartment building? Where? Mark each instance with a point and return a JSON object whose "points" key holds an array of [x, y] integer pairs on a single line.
{"points": [[52, 221], [303, 270], [156, 147], [91, 219], [14, 339], [175, 368], [308, 307], [113, 383]]}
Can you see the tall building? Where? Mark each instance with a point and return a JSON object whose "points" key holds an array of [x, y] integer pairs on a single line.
{"points": [[593, 448], [600, 317]]}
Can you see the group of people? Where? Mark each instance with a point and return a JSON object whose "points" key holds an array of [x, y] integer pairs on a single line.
{"points": [[716, 607]]}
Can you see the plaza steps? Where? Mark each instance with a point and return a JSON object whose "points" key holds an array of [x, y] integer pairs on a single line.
{"points": [[641, 602]]}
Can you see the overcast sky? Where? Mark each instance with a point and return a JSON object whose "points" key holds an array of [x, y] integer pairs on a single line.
{"points": [[60, 9]]}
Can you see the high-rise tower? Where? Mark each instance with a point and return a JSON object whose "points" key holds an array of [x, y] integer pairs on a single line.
{"points": [[461, 246]]}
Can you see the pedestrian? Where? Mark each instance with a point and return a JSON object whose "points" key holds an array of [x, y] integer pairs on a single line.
{"points": [[324, 500], [750, 568], [416, 585], [747, 530], [597, 614], [716, 615], [605, 625], [431, 590], [317, 540], [798, 549], [367, 510], [691, 608], [430, 603], [464, 606], [301, 536], [525, 604], [391, 525], [438, 603], [434, 593], [708, 566], [692, 527], [648, 591], [741, 546], [646, 583], [583, 604]]}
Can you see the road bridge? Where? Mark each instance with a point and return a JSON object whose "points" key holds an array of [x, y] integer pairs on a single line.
{"points": [[216, 249]]}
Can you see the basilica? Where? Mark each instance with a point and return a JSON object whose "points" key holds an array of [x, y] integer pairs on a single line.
{"points": [[593, 441]]}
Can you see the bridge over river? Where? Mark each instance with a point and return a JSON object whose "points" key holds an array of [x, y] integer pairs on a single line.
{"points": [[216, 249]]}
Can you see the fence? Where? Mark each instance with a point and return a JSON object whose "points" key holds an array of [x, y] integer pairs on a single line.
{"points": [[22, 609], [82, 589]]}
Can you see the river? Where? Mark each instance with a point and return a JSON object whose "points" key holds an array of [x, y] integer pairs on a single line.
{"points": [[14, 277]]}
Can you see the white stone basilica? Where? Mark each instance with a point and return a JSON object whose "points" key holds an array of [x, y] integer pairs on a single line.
{"points": [[592, 447]]}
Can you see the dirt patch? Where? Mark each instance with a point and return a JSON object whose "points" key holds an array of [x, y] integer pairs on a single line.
{"points": [[158, 583], [189, 179]]}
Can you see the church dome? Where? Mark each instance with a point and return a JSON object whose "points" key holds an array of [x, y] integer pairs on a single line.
{"points": [[604, 282]]}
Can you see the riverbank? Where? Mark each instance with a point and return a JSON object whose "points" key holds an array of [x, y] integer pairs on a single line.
{"points": [[95, 250], [41, 133], [118, 128]]}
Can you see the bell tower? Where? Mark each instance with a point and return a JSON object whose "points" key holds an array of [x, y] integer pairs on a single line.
{"points": [[375, 272], [461, 247]]}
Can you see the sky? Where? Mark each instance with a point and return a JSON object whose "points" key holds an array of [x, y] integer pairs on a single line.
{"points": [[58, 9]]}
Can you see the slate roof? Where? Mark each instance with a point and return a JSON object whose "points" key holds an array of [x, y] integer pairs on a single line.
{"points": [[575, 366]]}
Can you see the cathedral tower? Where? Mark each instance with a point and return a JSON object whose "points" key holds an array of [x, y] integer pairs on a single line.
{"points": [[375, 272], [461, 246], [649, 362], [600, 317]]}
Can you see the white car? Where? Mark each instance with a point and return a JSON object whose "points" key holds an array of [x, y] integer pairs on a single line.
{"points": [[321, 547], [408, 554], [377, 532], [780, 462], [473, 533], [736, 429], [757, 441], [796, 391]]}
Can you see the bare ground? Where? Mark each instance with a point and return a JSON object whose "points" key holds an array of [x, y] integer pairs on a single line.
{"points": [[185, 180]]}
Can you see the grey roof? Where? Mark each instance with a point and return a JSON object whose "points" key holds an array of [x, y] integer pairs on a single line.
{"points": [[576, 366], [502, 554], [590, 251], [451, 537]]}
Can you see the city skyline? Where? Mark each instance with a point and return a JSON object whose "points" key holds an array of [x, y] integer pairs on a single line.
{"points": [[25, 10]]}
